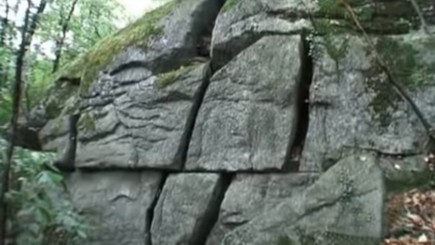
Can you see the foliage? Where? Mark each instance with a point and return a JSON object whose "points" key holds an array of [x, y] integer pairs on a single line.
{"points": [[39, 202], [138, 33], [92, 22]]}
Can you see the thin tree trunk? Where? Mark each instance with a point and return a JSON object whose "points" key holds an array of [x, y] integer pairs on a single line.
{"points": [[3, 34], [61, 40], [27, 32]]}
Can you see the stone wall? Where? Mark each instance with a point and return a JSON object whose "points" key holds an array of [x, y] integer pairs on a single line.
{"points": [[287, 133]]}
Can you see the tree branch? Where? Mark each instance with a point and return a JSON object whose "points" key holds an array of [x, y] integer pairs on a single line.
{"points": [[391, 79], [61, 40]]}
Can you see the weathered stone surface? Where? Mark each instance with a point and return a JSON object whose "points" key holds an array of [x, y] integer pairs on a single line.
{"points": [[402, 174], [252, 195], [354, 108], [186, 209], [177, 41], [249, 114], [116, 204], [161, 40], [139, 121], [53, 136], [241, 23], [344, 206]]}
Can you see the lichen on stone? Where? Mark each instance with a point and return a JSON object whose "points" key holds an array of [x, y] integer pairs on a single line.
{"points": [[139, 33]]}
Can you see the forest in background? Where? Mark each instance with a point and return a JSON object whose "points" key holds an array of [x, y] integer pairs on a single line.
{"points": [[37, 38]]}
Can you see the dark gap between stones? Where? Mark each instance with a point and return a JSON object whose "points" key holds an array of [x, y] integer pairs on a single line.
{"points": [[26, 137], [66, 161], [203, 50], [294, 152], [213, 212], [129, 65], [186, 171], [191, 119], [150, 211]]}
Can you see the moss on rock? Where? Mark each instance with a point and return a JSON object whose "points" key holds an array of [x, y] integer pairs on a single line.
{"points": [[165, 79], [402, 58], [139, 33], [229, 4], [86, 122]]}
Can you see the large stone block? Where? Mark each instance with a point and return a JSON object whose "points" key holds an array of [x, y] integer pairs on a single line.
{"points": [[248, 118], [117, 205]]}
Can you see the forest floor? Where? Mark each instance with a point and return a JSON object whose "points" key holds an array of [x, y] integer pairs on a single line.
{"points": [[411, 218]]}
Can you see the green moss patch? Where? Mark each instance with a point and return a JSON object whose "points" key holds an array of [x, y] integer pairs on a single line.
{"points": [[138, 33], [165, 79], [375, 18], [86, 122], [229, 4]]}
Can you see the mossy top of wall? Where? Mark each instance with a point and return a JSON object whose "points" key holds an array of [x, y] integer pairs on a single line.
{"points": [[86, 66], [229, 4], [139, 34]]}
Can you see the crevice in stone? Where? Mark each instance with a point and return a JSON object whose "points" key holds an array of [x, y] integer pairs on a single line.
{"points": [[296, 144], [72, 80], [129, 65], [151, 209], [66, 161], [203, 52], [212, 214], [91, 169], [191, 119]]}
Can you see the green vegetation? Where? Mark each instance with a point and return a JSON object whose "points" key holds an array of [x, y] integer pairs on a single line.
{"points": [[42, 213], [401, 58], [138, 33], [166, 79], [229, 4]]}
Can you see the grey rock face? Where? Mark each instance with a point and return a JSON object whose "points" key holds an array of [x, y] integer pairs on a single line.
{"points": [[53, 136], [171, 45], [116, 203], [343, 206], [252, 195], [186, 209], [139, 121], [177, 41], [353, 108], [243, 22], [249, 114]]}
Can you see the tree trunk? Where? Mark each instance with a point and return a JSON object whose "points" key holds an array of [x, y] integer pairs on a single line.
{"points": [[3, 34], [30, 24], [61, 40]]}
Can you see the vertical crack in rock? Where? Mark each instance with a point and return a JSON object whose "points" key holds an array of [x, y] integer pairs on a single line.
{"points": [[191, 119], [66, 160], [213, 211], [303, 94], [150, 211]]}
